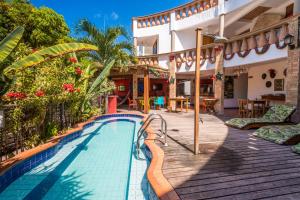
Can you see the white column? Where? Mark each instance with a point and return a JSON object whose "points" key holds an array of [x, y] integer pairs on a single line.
{"points": [[221, 25]]}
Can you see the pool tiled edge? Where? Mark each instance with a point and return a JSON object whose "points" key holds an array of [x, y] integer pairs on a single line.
{"points": [[158, 182], [12, 168]]}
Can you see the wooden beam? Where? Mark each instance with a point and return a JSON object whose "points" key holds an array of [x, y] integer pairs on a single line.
{"points": [[199, 42], [146, 91]]}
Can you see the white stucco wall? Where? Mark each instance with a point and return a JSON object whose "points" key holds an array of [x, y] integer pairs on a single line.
{"points": [[257, 86], [185, 40]]}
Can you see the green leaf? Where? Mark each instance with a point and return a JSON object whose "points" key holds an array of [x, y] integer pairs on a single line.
{"points": [[9, 43], [102, 76], [49, 53], [96, 84]]}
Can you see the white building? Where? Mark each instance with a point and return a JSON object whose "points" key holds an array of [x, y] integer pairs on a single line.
{"points": [[255, 60]]}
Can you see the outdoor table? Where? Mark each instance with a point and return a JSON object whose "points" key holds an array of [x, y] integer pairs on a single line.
{"points": [[181, 100], [210, 104], [257, 106]]}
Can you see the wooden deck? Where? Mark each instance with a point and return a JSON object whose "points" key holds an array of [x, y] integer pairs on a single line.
{"points": [[232, 164]]}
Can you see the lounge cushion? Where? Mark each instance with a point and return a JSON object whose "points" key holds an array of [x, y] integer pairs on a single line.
{"points": [[242, 122], [279, 113], [296, 148], [278, 134], [276, 114]]}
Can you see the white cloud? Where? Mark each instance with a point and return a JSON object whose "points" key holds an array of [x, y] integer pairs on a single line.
{"points": [[114, 16]]}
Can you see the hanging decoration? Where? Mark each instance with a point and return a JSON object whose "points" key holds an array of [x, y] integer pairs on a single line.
{"points": [[171, 80], [280, 46], [244, 54], [218, 77], [154, 72], [264, 49]]}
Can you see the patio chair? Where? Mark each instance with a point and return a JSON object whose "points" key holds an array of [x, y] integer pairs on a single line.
{"points": [[132, 104], [243, 108], [276, 115], [287, 134], [159, 101]]}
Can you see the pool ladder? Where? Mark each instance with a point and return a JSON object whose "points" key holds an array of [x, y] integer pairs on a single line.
{"points": [[149, 119]]}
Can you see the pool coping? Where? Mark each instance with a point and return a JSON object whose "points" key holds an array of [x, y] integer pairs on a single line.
{"points": [[158, 182]]}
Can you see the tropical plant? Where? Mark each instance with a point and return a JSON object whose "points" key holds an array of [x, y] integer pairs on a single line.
{"points": [[48, 53], [95, 88], [108, 42], [7, 45]]}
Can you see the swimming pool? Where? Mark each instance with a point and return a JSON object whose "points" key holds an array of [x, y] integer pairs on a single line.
{"points": [[96, 163]]}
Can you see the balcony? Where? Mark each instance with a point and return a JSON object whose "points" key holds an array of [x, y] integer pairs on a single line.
{"points": [[253, 47]]}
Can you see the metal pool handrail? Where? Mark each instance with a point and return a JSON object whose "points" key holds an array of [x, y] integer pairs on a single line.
{"points": [[147, 122]]}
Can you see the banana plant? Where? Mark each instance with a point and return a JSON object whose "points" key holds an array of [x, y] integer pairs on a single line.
{"points": [[47, 54], [96, 85], [7, 45]]}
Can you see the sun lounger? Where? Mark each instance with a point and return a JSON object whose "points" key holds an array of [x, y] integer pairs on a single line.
{"points": [[286, 134], [296, 148], [276, 115]]}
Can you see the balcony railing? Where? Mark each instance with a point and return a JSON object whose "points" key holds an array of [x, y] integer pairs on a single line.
{"points": [[194, 8], [181, 12], [148, 60]]}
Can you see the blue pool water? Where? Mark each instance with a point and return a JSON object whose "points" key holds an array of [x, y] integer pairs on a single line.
{"points": [[100, 164]]}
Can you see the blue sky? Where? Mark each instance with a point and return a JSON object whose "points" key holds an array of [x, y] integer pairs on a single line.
{"points": [[109, 12]]}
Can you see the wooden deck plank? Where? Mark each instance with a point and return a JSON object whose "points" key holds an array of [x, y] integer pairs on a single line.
{"points": [[233, 164]]}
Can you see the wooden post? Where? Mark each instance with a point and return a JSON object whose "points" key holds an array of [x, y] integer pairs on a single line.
{"points": [[172, 73], [197, 90], [146, 91], [134, 85]]}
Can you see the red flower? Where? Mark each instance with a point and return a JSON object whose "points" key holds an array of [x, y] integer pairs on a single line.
{"points": [[69, 87], [16, 95], [39, 93], [78, 71], [73, 60]]}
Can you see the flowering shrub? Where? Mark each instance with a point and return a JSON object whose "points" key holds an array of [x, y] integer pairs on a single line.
{"points": [[16, 95], [73, 60], [40, 93], [78, 71], [69, 87]]}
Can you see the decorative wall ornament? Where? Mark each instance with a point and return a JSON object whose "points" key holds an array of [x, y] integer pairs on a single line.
{"points": [[279, 85], [264, 76], [285, 72], [272, 73], [219, 76], [268, 84]]}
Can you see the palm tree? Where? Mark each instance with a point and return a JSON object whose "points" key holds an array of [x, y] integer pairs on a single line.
{"points": [[113, 41]]}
